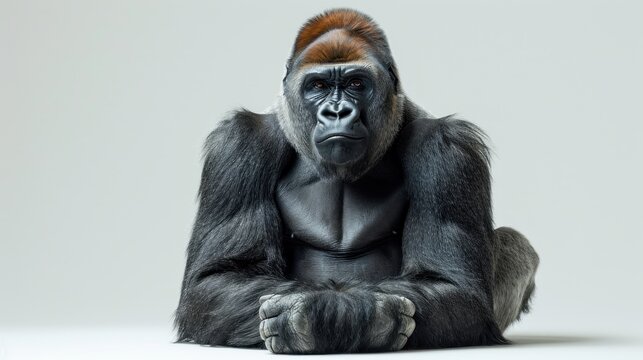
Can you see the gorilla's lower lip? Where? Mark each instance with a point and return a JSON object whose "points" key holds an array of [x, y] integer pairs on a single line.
{"points": [[339, 136]]}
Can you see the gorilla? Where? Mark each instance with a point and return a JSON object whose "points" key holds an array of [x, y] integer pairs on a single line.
{"points": [[348, 219]]}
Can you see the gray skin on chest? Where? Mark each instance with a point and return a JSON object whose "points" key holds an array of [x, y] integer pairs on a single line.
{"points": [[335, 230]]}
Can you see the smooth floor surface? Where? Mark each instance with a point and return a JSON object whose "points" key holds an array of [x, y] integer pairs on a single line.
{"points": [[123, 343]]}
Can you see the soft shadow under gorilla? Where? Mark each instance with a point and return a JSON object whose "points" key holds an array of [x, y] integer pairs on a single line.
{"points": [[566, 339]]}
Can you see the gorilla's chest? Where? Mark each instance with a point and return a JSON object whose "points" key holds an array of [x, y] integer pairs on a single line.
{"points": [[337, 230]]}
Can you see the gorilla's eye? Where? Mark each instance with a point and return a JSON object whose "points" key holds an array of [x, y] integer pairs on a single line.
{"points": [[318, 84], [356, 84]]}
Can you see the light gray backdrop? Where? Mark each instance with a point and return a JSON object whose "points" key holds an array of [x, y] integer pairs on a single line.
{"points": [[104, 106]]}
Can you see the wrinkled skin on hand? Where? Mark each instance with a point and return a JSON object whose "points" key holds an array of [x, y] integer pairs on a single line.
{"points": [[287, 325], [398, 324]]}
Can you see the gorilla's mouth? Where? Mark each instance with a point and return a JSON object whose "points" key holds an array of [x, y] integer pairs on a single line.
{"points": [[341, 143], [338, 136]]}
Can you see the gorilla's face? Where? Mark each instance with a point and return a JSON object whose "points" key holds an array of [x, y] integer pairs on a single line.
{"points": [[343, 117], [337, 96]]}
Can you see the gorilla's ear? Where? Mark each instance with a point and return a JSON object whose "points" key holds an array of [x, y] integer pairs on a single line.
{"points": [[393, 73], [287, 71]]}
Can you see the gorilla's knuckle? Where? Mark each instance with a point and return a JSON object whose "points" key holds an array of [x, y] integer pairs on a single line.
{"points": [[262, 330], [400, 342], [268, 344], [408, 325], [262, 312], [407, 306]]}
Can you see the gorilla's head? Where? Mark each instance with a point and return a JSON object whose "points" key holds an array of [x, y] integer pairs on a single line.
{"points": [[341, 105]]}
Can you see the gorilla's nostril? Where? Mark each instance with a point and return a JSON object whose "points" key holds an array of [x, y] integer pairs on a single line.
{"points": [[343, 113], [329, 114]]}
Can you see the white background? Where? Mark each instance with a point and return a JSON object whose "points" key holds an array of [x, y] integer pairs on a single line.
{"points": [[104, 107]]}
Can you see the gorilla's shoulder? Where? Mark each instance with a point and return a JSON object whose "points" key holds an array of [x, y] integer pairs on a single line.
{"points": [[246, 134], [243, 155], [447, 137], [243, 128]]}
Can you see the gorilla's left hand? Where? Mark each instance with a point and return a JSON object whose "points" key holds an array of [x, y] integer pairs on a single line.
{"points": [[286, 325]]}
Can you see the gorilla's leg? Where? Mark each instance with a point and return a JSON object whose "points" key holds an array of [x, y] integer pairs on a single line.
{"points": [[514, 263]]}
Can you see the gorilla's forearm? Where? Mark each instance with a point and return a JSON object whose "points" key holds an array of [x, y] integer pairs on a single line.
{"points": [[223, 309], [446, 315]]}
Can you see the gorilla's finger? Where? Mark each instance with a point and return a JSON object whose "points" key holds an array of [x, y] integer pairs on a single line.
{"points": [[263, 298], [268, 328], [399, 342], [407, 325], [408, 308], [277, 345], [268, 342]]}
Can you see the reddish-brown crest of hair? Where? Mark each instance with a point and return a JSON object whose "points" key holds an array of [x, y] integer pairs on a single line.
{"points": [[358, 31], [335, 46]]}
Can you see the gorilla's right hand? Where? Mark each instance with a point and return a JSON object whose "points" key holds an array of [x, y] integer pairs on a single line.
{"points": [[392, 323], [286, 325]]}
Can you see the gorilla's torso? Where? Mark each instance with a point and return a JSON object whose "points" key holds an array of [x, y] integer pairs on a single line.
{"points": [[336, 230]]}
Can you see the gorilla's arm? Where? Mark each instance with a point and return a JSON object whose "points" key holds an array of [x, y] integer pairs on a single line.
{"points": [[234, 255], [447, 235]]}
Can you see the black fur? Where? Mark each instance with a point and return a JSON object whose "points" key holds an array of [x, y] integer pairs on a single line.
{"points": [[236, 253], [344, 130]]}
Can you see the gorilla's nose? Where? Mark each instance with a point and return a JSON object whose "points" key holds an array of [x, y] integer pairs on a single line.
{"points": [[344, 112]]}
